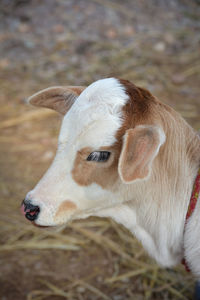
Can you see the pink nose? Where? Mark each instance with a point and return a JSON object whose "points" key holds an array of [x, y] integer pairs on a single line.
{"points": [[29, 210]]}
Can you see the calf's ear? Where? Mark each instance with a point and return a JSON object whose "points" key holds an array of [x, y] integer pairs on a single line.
{"points": [[140, 147], [59, 98]]}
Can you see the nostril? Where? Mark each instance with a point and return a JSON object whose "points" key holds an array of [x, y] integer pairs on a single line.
{"points": [[29, 210], [32, 214]]}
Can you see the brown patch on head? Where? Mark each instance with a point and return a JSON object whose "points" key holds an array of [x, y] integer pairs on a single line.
{"points": [[65, 207], [103, 173], [140, 99], [140, 109]]}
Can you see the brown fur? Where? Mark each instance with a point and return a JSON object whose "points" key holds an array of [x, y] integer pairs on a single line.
{"points": [[181, 140], [138, 109], [87, 172], [64, 207]]}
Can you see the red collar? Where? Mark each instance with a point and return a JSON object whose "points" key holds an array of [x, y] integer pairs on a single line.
{"points": [[192, 205], [194, 197]]}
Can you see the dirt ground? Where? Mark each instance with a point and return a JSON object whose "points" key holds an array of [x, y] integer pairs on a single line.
{"points": [[153, 43]]}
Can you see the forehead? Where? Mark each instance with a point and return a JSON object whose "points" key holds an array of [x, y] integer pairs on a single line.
{"points": [[95, 117]]}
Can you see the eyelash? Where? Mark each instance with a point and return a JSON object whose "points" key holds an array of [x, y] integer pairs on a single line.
{"points": [[99, 156]]}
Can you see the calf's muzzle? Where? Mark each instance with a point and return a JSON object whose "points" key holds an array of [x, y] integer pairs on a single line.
{"points": [[29, 210]]}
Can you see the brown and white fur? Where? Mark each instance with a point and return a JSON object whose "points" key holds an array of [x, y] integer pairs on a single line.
{"points": [[147, 181]]}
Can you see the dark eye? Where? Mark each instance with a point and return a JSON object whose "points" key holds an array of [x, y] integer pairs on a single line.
{"points": [[99, 156]]}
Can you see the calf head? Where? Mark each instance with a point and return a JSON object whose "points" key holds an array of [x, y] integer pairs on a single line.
{"points": [[108, 141]]}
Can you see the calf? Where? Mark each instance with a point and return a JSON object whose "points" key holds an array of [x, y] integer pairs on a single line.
{"points": [[122, 154]]}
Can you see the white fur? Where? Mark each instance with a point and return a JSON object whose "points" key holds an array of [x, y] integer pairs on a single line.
{"points": [[95, 114]]}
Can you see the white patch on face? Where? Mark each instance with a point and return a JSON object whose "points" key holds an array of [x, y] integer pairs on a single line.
{"points": [[92, 121], [97, 113]]}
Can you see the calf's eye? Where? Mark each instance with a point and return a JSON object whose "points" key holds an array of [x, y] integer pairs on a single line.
{"points": [[99, 156]]}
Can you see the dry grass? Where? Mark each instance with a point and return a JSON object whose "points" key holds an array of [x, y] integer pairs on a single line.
{"points": [[176, 284]]}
